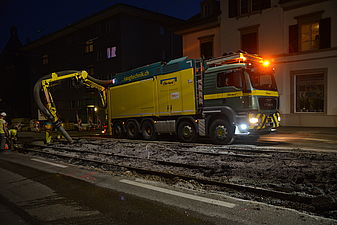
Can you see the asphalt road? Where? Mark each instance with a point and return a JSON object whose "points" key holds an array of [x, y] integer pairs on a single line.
{"points": [[40, 191]]}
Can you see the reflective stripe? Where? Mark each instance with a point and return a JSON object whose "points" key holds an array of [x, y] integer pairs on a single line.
{"points": [[262, 93], [224, 95], [240, 93]]}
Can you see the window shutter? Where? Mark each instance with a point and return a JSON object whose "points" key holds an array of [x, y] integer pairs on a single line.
{"points": [[293, 38], [232, 8], [324, 33]]}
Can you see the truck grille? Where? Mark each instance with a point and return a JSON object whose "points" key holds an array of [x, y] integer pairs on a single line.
{"points": [[268, 103]]}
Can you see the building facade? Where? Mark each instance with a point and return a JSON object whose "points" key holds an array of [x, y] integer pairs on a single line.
{"points": [[14, 97], [201, 33], [114, 40], [300, 36]]}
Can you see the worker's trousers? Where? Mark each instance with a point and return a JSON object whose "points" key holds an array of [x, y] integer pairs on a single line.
{"points": [[2, 141]]}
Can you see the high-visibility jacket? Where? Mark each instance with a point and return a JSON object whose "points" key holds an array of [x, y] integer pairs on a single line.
{"points": [[2, 126]]}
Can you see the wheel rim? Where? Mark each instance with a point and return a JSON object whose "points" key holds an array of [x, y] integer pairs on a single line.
{"points": [[221, 132], [118, 130], [132, 130], [187, 131], [148, 131]]}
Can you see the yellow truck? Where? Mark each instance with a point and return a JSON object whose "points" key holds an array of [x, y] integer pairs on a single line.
{"points": [[221, 98]]}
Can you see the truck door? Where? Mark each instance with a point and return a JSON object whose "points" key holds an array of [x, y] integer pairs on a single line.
{"points": [[168, 93], [224, 88]]}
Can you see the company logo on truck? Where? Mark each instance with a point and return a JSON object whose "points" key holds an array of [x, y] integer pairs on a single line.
{"points": [[136, 76], [168, 81]]}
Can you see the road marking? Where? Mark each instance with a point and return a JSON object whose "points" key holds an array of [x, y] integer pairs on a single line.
{"points": [[180, 194], [50, 163]]}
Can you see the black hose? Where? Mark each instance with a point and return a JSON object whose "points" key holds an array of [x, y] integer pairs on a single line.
{"points": [[45, 111]]}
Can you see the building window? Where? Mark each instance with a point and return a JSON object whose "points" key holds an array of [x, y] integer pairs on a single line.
{"points": [[206, 46], [91, 70], [98, 55], [89, 46], [162, 30], [310, 92], [310, 33], [245, 7], [111, 52], [249, 39], [309, 36], [45, 59], [229, 79], [205, 10]]}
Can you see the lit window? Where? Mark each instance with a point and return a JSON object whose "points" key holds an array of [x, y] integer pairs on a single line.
{"points": [[310, 33], [111, 52], [310, 92], [309, 36], [45, 59], [89, 46]]}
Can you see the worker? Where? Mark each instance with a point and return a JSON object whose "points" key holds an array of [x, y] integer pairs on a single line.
{"points": [[3, 130], [49, 129], [12, 137]]}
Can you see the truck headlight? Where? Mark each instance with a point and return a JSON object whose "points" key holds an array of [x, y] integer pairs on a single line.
{"points": [[253, 120], [279, 119], [243, 126]]}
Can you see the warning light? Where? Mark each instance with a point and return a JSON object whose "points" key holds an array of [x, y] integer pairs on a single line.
{"points": [[266, 63], [242, 57]]}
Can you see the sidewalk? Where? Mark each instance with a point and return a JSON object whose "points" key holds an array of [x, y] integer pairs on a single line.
{"points": [[303, 137]]}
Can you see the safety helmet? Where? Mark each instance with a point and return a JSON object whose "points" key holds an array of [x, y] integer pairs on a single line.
{"points": [[3, 114]]}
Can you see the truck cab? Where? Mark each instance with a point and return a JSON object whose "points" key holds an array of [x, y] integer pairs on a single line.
{"points": [[240, 97]]}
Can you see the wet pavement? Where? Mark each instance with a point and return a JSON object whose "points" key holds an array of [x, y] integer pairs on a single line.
{"points": [[58, 199], [302, 137]]}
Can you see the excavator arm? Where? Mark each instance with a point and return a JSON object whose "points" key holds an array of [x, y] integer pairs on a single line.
{"points": [[49, 109]]}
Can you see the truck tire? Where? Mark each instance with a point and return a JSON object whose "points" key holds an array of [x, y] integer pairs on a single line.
{"points": [[118, 130], [148, 130], [187, 131], [221, 132], [132, 129]]}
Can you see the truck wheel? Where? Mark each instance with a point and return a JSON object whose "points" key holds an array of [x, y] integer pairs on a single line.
{"points": [[148, 130], [118, 130], [132, 129], [187, 131], [221, 132]]}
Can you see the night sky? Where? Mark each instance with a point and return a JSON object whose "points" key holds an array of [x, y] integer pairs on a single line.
{"points": [[37, 18]]}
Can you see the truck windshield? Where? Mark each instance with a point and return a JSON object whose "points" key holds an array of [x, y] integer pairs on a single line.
{"points": [[262, 80]]}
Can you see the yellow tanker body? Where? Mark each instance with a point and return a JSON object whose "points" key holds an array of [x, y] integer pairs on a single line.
{"points": [[162, 95], [153, 99]]}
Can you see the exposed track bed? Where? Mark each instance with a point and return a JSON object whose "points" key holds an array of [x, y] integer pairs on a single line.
{"points": [[301, 180]]}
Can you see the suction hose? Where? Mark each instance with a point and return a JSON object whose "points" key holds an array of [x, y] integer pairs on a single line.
{"points": [[45, 111]]}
